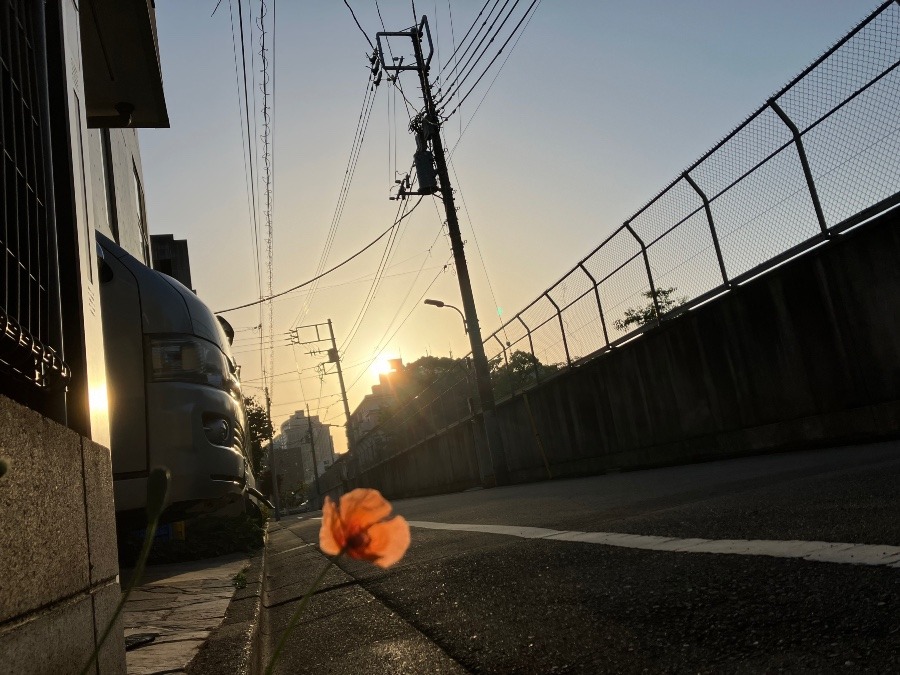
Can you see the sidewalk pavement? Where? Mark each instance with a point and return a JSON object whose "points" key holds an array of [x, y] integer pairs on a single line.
{"points": [[179, 604]]}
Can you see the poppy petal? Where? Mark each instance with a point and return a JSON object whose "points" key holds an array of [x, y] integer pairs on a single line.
{"points": [[331, 526], [363, 507], [388, 541]]}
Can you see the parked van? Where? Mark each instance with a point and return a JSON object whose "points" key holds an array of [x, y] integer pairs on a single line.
{"points": [[174, 394]]}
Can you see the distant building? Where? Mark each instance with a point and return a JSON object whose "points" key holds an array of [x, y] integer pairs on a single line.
{"points": [[368, 414], [295, 453], [170, 256], [371, 411]]}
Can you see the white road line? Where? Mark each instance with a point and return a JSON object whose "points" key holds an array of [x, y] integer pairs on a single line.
{"points": [[820, 551]]}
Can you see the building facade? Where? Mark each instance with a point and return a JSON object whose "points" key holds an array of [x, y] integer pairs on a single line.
{"points": [[77, 78], [170, 256], [299, 461]]}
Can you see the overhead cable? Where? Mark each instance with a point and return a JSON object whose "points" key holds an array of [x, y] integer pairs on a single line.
{"points": [[496, 56], [470, 66], [358, 137], [379, 275], [315, 278], [467, 57], [365, 35]]}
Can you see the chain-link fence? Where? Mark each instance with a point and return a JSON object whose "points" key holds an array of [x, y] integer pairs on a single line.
{"points": [[820, 156]]}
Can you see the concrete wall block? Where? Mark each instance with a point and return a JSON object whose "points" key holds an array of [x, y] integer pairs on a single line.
{"points": [[44, 555], [59, 640], [865, 283], [111, 659], [101, 517]]}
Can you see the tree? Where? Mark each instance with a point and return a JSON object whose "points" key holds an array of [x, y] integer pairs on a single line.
{"points": [[259, 429], [523, 371], [640, 316], [265, 483]]}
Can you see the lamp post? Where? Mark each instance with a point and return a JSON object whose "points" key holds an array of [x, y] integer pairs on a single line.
{"points": [[441, 303]]}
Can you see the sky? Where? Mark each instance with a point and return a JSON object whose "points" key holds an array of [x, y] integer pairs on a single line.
{"points": [[599, 106]]}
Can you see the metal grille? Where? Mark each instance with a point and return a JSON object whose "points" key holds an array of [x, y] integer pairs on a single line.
{"points": [[30, 343], [818, 157]]}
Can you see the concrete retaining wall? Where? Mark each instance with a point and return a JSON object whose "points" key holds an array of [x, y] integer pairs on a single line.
{"points": [[58, 563], [806, 355]]}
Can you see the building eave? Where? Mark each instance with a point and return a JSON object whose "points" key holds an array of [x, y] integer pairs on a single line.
{"points": [[120, 52]]}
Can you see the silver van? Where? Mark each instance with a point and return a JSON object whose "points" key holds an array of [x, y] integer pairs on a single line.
{"points": [[174, 394]]}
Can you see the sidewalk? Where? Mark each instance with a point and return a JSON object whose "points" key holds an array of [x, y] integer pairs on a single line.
{"points": [[178, 606]]}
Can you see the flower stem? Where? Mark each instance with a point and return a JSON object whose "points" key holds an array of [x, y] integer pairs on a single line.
{"points": [[135, 579], [295, 617]]}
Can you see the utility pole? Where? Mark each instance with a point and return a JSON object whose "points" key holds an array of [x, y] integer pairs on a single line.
{"points": [[312, 446], [333, 357], [429, 129], [273, 468]]}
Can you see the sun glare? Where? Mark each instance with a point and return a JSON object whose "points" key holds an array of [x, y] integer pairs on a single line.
{"points": [[380, 366]]}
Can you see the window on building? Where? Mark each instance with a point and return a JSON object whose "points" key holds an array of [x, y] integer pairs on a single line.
{"points": [[141, 214], [110, 183]]}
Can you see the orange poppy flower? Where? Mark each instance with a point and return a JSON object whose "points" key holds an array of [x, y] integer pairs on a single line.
{"points": [[359, 526]]}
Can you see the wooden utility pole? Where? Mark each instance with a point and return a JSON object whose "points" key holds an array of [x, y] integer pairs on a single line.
{"points": [[428, 129]]}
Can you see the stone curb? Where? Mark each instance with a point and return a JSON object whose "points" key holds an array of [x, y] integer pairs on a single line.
{"points": [[232, 648]]}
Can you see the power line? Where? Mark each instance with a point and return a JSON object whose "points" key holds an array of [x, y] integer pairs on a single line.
{"points": [[466, 36], [363, 279], [248, 158], [373, 288], [358, 137], [365, 35], [462, 130], [315, 278], [409, 289], [383, 343], [267, 169], [477, 245], [493, 60], [467, 56], [385, 258]]}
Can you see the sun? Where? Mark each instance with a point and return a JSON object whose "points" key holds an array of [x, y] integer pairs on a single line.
{"points": [[380, 366]]}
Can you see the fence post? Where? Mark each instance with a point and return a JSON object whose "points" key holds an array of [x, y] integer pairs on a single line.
{"points": [[537, 368], [712, 226], [813, 193], [649, 272], [502, 348], [562, 329], [599, 304]]}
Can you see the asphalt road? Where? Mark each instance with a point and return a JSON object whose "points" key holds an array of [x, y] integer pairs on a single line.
{"points": [[490, 601]]}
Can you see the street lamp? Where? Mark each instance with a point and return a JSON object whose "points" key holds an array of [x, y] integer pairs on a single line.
{"points": [[441, 303]]}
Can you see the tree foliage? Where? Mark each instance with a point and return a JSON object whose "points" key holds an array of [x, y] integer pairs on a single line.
{"points": [[524, 370], [428, 375], [259, 431], [264, 483], [641, 316]]}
